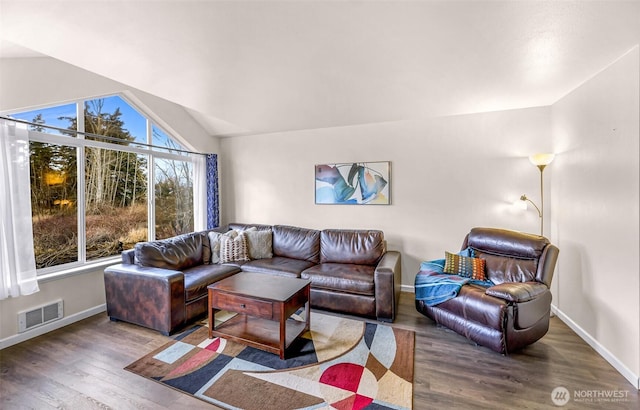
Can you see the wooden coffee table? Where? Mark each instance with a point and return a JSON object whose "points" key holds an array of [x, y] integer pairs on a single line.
{"points": [[264, 304]]}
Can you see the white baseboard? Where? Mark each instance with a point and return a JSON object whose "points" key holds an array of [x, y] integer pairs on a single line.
{"points": [[634, 379], [67, 320], [407, 288]]}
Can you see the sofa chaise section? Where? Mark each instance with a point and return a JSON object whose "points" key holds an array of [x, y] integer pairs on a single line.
{"points": [[162, 284]]}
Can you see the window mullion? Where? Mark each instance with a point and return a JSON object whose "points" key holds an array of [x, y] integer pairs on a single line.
{"points": [[151, 193], [81, 205]]}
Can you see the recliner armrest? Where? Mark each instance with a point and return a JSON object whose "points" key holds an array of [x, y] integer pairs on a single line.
{"points": [[517, 292], [387, 279]]}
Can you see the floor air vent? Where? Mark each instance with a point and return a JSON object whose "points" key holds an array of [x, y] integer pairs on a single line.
{"points": [[39, 316]]}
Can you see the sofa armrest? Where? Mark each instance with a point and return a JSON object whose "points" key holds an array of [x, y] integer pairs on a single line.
{"points": [[137, 270], [517, 292], [388, 277], [150, 297]]}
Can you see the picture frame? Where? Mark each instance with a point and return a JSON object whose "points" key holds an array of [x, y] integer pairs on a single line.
{"points": [[353, 183]]}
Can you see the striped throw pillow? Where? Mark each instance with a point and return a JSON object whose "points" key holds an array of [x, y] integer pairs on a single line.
{"points": [[233, 249]]}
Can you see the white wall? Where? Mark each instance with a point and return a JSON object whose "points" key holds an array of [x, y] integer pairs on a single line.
{"points": [[82, 296], [595, 203], [32, 82], [449, 174]]}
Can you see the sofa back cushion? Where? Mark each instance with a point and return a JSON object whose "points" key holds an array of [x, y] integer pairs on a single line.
{"points": [[510, 256], [361, 247], [243, 227], [177, 253], [500, 269], [296, 243]]}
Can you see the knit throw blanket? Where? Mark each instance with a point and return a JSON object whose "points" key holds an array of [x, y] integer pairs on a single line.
{"points": [[435, 288]]}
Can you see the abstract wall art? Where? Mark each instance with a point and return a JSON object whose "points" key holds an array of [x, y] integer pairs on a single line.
{"points": [[357, 183]]}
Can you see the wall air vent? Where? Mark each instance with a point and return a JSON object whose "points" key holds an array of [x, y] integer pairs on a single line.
{"points": [[38, 316]]}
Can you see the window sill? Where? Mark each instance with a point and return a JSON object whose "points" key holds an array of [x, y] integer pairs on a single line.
{"points": [[78, 270]]}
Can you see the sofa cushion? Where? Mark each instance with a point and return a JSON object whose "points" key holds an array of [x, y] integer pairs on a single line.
{"points": [[349, 278], [464, 266], [177, 253], [472, 303], [259, 244], [351, 303], [197, 279], [296, 243], [351, 246], [233, 249], [278, 265]]}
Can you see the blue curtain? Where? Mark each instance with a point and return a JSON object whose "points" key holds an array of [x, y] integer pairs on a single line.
{"points": [[213, 206]]}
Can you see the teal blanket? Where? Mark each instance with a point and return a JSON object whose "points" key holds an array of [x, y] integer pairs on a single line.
{"points": [[433, 286], [436, 288]]}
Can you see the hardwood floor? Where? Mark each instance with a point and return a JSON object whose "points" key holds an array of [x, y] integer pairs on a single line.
{"points": [[81, 367]]}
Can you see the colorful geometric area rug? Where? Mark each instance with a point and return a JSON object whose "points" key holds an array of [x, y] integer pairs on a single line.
{"points": [[340, 363]]}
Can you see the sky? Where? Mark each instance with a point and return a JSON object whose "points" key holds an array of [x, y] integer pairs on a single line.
{"points": [[134, 122]]}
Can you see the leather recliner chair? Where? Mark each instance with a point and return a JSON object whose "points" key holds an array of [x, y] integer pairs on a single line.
{"points": [[515, 311]]}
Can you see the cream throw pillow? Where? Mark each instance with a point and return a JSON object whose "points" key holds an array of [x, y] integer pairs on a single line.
{"points": [[214, 243]]}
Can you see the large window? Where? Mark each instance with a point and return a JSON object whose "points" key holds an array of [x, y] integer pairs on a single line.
{"points": [[90, 189]]}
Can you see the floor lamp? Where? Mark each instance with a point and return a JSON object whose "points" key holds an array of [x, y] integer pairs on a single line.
{"points": [[541, 161]]}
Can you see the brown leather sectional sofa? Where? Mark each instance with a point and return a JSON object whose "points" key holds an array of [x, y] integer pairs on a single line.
{"points": [[513, 312], [162, 284]]}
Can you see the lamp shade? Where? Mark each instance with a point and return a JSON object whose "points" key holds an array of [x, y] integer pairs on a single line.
{"points": [[541, 159]]}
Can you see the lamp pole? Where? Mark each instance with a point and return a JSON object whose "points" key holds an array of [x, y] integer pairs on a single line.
{"points": [[541, 168]]}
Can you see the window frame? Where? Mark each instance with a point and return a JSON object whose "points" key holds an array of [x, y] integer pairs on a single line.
{"points": [[80, 143]]}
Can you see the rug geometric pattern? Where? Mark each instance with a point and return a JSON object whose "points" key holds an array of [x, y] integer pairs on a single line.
{"points": [[339, 364]]}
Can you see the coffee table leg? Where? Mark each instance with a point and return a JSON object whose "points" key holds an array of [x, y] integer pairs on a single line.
{"points": [[212, 315], [283, 332], [307, 309]]}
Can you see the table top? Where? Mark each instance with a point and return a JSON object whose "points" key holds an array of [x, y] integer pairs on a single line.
{"points": [[261, 285]]}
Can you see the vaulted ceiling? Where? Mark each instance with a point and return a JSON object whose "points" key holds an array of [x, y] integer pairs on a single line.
{"points": [[249, 67]]}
